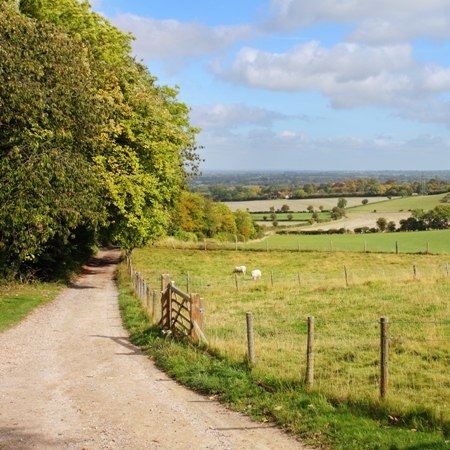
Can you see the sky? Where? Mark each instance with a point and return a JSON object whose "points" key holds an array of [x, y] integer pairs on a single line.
{"points": [[302, 84]]}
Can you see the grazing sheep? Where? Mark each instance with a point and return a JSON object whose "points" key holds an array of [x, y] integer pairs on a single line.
{"points": [[240, 269], [256, 274]]}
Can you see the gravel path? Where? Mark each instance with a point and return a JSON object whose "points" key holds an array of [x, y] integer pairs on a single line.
{"points": [[70, 379]]}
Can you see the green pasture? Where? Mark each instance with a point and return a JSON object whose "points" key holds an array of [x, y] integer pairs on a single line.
{"points": [[436, 241], [18, 300], [425, 202], [347, 293]]}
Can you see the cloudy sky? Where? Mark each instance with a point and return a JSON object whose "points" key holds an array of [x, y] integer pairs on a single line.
{"points": [[303, 84]]}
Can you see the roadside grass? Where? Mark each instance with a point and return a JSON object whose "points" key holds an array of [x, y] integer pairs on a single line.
{"points": [[273, 389], [435, 241], [425, 202], [18, 300]]}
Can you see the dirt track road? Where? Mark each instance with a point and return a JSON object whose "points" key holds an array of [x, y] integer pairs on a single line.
{"points": [[70, 379]]}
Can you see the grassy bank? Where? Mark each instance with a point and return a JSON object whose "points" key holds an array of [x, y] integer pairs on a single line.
{"points": [[18, 300], [343, 410]]}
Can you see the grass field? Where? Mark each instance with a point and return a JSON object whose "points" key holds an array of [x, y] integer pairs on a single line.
{"points": [[297, 285], [424, 202], [437, 241], [18, 300]]}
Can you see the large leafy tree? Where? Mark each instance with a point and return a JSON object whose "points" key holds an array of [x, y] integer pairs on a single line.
{"points": [[103, 150], [48, 120]]}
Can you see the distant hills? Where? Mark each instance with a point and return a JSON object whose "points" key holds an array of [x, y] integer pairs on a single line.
{"points": [[262, 178]]}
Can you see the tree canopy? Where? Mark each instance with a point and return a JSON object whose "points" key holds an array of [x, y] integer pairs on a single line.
{"points": [[92, 149]]}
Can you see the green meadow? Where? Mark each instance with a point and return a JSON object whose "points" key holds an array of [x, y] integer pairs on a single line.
{"points": [[436, 241], [425, 202], [347, 293]]}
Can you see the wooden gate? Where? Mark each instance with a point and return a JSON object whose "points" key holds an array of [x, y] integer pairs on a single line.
{"points": [[181, 313]]}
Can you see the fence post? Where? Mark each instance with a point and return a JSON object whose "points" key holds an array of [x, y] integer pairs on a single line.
{"points": [[428, 248], [310, 352], [271, 278], [365, 246], [396, 247], [250, 339], [166, 307], [414, 271], [196, 318], [384, 343], [299, 279], [154, 304], [235, 242], [236, 281], [188, 283], [446, 268], [346, 276]]}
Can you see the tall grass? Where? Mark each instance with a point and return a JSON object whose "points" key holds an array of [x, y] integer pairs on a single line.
{"points": [[347, 320]]}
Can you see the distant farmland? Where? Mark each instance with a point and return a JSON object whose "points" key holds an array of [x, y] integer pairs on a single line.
{"points": [[298, 204]]}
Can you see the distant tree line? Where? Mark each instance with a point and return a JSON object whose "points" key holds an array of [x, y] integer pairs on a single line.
{"points": [[358, 187]]}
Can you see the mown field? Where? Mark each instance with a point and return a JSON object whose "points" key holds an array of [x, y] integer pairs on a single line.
{"points": [[437, 241], [425, 202], [347, 312]]}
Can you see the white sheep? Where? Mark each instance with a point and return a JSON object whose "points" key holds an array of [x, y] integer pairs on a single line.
{"points": [[240, 269], [256, 274]]}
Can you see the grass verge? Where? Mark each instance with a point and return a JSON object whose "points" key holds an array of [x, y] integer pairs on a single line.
{"points": [[18, 300], [313, 418]]}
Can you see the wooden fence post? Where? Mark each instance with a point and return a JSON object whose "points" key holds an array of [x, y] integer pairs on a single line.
{"points": [[384, 344], [428, 248], [414, 271], [299, 279], [235, 242], [396, 247], [250, 339], [271, 278], [346, 276], [236, 282], [446, 268], [365, 246], [154, 304], [196, 317], [166, 306], [310, 352]]}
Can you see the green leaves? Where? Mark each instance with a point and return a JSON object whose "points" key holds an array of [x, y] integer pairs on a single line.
{"points": [[91, 148]]}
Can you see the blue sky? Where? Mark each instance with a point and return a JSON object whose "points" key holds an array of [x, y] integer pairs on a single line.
{"points": [[303, 84]]}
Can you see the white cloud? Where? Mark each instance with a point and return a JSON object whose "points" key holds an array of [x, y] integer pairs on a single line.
{"points": [[165, 39], [350, 75], [291, 14]]}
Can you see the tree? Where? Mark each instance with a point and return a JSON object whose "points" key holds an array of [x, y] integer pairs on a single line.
{"points": [[310, 208], [342, 203], [382, 223], [337, 213], [391, 227], [365, 201], [244, 224], [285, 208], [79, 113]]}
